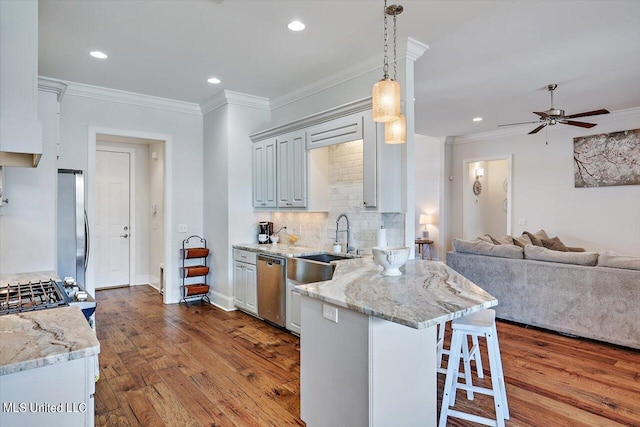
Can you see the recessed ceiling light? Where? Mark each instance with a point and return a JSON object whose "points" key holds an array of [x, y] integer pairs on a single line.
{"points": [[214, 81], [98, 54], [296, 26], [477, 119]]}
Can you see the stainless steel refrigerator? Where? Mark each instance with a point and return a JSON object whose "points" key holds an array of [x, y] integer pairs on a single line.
{"points": [[73, 228]]}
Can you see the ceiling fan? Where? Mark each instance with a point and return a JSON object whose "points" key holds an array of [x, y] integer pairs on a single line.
{"points": [[553, 116]]}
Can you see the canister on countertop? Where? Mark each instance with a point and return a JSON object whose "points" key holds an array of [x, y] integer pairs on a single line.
{"points": [[337, 247]]}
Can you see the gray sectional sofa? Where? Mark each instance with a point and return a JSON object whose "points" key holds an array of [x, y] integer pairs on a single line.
{"points": [[602, 303]]}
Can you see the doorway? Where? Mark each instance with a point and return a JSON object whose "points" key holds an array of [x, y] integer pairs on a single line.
{"points": [[486, 200], [113, 216], [146, 193]]}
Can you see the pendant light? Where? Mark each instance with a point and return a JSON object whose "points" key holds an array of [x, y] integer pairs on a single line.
{"points": [[386, 92], [395, 131]]}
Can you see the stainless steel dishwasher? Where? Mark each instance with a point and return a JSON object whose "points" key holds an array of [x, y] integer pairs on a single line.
{"points": [[272, 289]]}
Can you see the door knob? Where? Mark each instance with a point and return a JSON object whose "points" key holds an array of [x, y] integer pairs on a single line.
{"points": [[124, 235]]}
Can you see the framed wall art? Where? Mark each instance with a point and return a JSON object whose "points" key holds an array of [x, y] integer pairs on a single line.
{"points": [[607, 159]]}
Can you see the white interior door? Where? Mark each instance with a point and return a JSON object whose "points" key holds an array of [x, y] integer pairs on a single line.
{"points": [[112, 227]]}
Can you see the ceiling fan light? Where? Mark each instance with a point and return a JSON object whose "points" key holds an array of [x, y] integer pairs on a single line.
{"points": [[395, 132], [386, 100]]}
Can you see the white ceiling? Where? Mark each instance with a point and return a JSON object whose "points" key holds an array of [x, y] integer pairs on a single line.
{"points": [[486, 58]]}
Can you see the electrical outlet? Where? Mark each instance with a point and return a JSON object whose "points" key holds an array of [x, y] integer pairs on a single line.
{"points": [[182, 228], [330, 312], [522, 221]]}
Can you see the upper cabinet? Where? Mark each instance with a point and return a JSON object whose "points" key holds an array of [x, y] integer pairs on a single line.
{"points": [[20, 129], [292, 170], [301, 173], [264, 174]]}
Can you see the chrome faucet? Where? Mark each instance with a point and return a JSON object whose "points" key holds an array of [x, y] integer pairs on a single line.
{"points": [[349, 248]]}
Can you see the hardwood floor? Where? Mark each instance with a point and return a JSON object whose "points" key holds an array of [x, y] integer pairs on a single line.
{"points": [[197, 365]]}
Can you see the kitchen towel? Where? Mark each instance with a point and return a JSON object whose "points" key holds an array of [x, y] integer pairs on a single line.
{"points": [[381, 239]]}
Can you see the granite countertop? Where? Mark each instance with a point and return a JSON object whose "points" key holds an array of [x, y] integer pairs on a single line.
{"points": [[285, 250], [44, 337], [426, 294]]}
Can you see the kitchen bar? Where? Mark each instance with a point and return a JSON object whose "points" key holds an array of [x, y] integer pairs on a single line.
{"points": [[368, 342]]}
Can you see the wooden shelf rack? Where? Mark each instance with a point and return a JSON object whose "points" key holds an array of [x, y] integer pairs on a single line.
{"points": [[198, 254]]}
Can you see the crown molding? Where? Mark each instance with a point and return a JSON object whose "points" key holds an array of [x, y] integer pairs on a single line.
{"points": [[58, 87], [131, 98], [229, 97], [314, 119], [629, 113], [410, 49]]}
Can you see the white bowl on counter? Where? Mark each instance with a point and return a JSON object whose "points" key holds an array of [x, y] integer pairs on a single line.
{"points": [[274, 239], [391, 258]]}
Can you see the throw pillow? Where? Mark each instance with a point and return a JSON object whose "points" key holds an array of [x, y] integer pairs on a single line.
{"points": [[544, 254], [536, 238], [614, 260], [522, 241], [485, 238], [506, 240], [555, 244], [478, 247]]}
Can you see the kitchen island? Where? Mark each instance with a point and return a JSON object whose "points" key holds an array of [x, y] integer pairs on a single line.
{"points": [[368, 342], [48, 364]]}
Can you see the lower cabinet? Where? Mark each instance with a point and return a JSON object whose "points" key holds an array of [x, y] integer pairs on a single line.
{"points": [[245, 286], [293, 309]]}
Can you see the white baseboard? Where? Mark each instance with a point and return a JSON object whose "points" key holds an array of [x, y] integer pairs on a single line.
{"points": [[154, 281], [142, 279], [221, 301]]}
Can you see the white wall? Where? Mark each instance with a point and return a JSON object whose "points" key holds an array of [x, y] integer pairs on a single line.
{"points": [[429, 154], [156, 221], [598, 219], [185, 166], [228, 211], [28, 221]]}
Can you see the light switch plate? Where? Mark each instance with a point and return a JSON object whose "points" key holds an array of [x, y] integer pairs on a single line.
{"points": [[522, 221], [182, 228]]}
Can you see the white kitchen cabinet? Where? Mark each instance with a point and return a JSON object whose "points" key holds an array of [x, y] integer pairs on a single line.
{"points": [[337, 131], [60, 394], [293, 308], [264, 174], [245, 283], [291, 165]]}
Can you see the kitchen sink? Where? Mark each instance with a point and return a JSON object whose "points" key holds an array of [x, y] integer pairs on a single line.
{"points": [[326, 258], [304, 271]]}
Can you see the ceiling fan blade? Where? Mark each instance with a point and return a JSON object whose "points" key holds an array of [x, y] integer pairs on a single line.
{"points": [[588, 113], [536, 130], [581, 124], [521, 123], [541, 114]]}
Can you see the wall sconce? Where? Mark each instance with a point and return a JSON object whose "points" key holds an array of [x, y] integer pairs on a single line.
{"points": [[425, 219], [479, 173]]}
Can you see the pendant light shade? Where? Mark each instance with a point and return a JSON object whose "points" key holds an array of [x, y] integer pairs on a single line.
{"points": [[396, 132], [386, 100]]}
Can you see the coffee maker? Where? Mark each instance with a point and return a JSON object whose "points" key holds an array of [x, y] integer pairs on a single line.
{"points": [[265, 230]]}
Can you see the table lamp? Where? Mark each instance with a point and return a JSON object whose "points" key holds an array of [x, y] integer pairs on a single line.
{"points": [[425, 219]]}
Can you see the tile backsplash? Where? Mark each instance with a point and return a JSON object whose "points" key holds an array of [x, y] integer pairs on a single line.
{"points": [[345, 196]]}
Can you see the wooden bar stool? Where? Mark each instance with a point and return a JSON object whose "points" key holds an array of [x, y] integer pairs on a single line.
{"points": [[480, 324]]}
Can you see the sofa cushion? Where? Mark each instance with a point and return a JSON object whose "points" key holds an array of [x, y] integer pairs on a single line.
{"points": [[614, 260], [555, 244], [479, 247], [536, 238], [522, 241], [506, 240], [544, 254]]}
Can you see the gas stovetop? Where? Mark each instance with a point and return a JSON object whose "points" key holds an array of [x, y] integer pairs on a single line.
{"points": [[23, 297]]}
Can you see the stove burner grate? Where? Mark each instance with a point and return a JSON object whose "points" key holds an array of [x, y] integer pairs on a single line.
{"points": [[22, 297]]}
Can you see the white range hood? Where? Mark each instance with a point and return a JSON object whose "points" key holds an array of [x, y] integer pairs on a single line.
{"points": [[20, 130]]}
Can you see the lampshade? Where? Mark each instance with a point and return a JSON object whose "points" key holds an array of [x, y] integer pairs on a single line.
{"points": [[396, 132], [426, 219], [479, 173], [386, 100]]}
